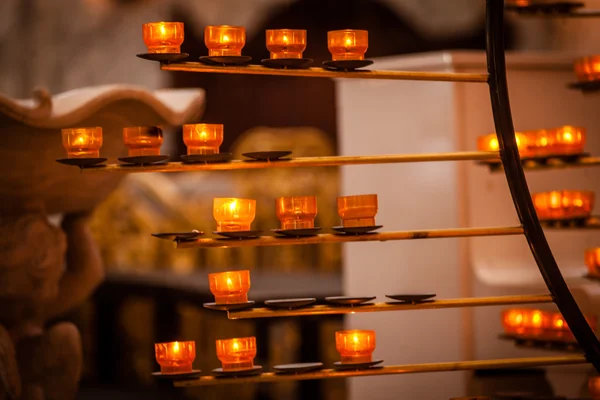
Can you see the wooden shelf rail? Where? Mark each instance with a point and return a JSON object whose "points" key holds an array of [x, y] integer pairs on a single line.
{"points": [[329, 161], [391, 370], [323, 73], [376, 307], [334, 238]]}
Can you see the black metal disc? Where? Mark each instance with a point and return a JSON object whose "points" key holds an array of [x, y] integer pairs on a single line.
{"points": [[239, 234], [228, 307], [81, 162], [178, 235], [290, 303], [206, 158], [193, 374], [346, 65], [356, 230], [287, 63], [297, 368], [411, 298], [246, 372], [226, 60], [144, 160], [297, 232], [362, 365], [267, 155], [165, 58], [349, 300]]}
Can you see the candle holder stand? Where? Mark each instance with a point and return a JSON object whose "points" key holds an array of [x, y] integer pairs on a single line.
{"points": [[411, 298], [346, 65], [287, 63], [298, 368], [350, 300], [177, 236], [267, 155], [226, 60], [255, 370], [206, 158], [357, 365], [238, 235], [296, 233], [290, 303], [356, 230], [144, 160], [164, 58], [228, 307], [182, 376], [82, 162]]}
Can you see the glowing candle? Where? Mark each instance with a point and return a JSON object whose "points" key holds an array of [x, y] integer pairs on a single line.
{"points": [[203, 138], [224, 40], [557, 141], [490, 143], [230, 287], [143, 140], [286, 43], [587, 68], [237, 354], [163, 37], [355, 346], [347, 44], [594, 387], [565, 204], [297, 212], [234, 215], [175, 357], [357, 210], [592, 260], [513, 320], [82, 142]]}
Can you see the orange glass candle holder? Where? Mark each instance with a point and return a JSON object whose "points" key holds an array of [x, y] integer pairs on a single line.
{"points": [[163, 37], [560, 141], [297, 212], [490, 143], [357, 210], [225, 40], [347, 44], [233, 215], [355, 346], [538, 323], [237, 354], [230, 287], [563, 204], [203, 138], [143, 140], [594, 387], [175, 357], [587, 68], [82, 142], [286, 43], [592, 260]]}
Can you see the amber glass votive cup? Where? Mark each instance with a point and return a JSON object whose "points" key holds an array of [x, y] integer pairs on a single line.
{"points": [[490, 143], [563, 204], [203, 138], [592, 260], [82, 142], [296, 212], [163, 37], [357, 210], [286, 43], [564, 140], [587, 68], [143, 140], [355, 346], [225, 40], [230, 287], [347, 44], [234, 215], [237, 354], [175, 357]]}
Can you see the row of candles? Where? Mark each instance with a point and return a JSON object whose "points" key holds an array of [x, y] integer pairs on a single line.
{"points": [[565, 140], [225, 40], [237, 354], [539, 324], [142, 140]]}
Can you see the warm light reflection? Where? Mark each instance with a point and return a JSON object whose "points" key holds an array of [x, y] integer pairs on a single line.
{"points": [[234, 215], [564, 140], [357, 210], [175, 357], [297, 212], [587, 68], [286, 43], [82, 142], [143, 140], [230, 287], [490, 143], [237, 354], [592, 260], [225, 40], [355, 346], [347, 44], [203, 138], [563, 204], [163, 37]]}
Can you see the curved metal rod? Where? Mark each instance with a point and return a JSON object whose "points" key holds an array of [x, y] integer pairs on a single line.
{"points": [[518, 186]]}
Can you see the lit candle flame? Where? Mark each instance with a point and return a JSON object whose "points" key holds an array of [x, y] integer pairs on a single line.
{"points": [[80, 140], [176, 347], [163, 31], [236, 345], [229, 283], [225, 39], [286, 40]]}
